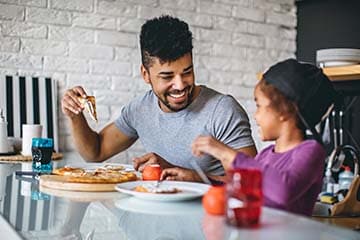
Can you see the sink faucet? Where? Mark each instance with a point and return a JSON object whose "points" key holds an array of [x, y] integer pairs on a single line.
{"points": [[337, 158]]}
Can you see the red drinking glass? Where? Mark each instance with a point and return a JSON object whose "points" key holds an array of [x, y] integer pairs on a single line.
{"points": [[244, 197]]}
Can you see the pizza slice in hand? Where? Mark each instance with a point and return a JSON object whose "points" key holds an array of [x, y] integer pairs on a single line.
{"points": [[90, 106]]}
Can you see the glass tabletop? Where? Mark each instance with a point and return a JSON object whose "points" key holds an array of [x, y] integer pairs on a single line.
{"points": [[38, 213]]}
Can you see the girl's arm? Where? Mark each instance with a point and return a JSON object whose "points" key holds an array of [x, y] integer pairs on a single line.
{"points": [[209, 145], [287, 181]]}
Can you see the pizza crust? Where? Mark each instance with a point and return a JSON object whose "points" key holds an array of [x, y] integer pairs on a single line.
{"points": [[68, 171], [100, 175]]}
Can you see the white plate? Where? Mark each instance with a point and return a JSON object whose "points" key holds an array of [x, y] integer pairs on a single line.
{"points": [[189, 190], [137, 205]]}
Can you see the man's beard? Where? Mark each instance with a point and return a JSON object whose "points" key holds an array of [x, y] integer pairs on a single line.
{"points": [[190, 93]]}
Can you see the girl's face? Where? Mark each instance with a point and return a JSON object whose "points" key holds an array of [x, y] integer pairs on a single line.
{"points": [[266, 117]]}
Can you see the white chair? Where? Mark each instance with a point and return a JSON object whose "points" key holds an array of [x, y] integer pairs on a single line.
{"points": [[27, 100], [31, 100]]}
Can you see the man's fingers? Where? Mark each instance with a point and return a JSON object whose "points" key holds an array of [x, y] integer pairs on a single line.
{"points": [[169, 174], [140, 162], [73, 96], [171, 178], [79, 91], [137, 162], [70, 102], [71, 105]]}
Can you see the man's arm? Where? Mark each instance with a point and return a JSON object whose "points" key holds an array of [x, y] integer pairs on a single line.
{"points": [[97, 147], [91, 145]]}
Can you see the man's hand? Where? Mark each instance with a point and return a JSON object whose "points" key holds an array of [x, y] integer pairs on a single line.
{"points": [[70, 104], [150, 158], [180, 174]]}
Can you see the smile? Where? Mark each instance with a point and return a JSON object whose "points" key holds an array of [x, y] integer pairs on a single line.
{"points": [[177, 95]]}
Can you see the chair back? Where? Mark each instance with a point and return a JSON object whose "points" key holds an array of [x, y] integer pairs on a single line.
{"points": [[30, 100]]}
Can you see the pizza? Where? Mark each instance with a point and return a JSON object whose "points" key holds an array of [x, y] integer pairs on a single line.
{"points": [[68, 171], [110, 168], [106, 174], [90, 106], [103, 177]]}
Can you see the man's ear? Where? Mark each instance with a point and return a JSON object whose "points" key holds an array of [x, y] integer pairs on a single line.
{"points": [[145, 74]]}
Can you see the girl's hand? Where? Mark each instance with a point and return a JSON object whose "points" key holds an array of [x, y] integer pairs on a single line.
{"points": [[209, 145]]}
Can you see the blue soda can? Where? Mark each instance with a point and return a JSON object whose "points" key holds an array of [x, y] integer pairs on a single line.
{"points": [[42, 149]]}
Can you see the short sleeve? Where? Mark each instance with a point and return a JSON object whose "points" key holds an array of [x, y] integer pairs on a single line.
{"points": [[126, 121], [230, 123]]}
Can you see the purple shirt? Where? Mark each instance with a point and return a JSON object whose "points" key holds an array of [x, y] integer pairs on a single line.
{"points": [[292, 180]]}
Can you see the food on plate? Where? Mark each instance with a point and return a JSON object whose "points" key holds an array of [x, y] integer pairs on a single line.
{"points": [[105, 174], [140, 189], [152, 172], [154, 189], [90, 106]]}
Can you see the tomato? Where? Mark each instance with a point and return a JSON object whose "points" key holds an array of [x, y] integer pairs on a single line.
{"points": [[214, 200], [152, 172]]}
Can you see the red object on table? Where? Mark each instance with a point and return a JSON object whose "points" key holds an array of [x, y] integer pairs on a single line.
{"points": [[152, 172], [244, 197], [214, 200]]}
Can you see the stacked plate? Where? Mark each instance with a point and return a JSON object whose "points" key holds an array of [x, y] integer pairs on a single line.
{"points": [[337, 57]]}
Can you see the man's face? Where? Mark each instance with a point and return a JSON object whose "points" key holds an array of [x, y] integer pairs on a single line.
{"points": [[172, 82]]}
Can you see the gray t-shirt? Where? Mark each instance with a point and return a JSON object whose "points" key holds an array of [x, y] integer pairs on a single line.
{"points": [[170, 135]]}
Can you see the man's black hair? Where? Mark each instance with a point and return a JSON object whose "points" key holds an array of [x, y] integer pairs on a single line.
{"points": [[167, 38]]}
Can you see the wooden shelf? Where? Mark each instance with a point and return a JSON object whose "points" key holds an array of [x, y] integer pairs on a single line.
{"points": [[343, 73]]}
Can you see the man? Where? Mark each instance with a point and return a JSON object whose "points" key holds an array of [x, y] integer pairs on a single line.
{"points": [[169, 117]]}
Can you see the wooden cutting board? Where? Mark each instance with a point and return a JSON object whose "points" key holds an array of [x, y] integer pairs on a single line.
{"points": [[349, 206], [81, 196], [59, 182]]}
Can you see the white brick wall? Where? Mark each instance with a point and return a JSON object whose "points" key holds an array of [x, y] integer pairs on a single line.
{"points": [[94, 43]]}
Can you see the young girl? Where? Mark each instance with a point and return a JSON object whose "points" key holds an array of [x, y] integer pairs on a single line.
{"points": [[289, 97]]}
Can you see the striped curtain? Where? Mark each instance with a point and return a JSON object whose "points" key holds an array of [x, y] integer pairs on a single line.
{"points": [[30, 100]]}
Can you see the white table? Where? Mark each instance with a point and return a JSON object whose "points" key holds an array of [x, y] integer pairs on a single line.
{"points": [[112, 215]]}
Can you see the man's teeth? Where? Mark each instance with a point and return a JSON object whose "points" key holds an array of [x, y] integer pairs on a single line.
{"points": [[178, 95]]}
